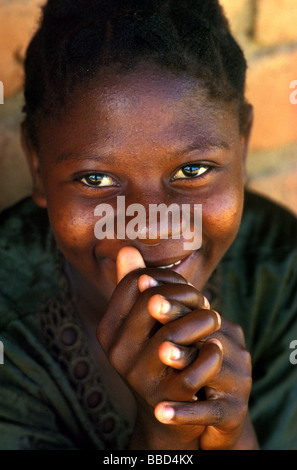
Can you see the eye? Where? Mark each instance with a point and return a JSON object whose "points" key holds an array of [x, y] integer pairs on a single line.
{"points": [[191, 171], [97, 180]]}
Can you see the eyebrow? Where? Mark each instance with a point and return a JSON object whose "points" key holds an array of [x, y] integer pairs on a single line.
{"points": [[204, 145], [207, 145], [64, 157]]}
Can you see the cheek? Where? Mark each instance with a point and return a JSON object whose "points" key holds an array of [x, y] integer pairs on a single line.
{"points": [[73, 228], [222, 215]]}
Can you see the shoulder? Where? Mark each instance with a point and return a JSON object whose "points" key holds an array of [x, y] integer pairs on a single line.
{"points": [[24, 221], [259, 271], [263, 299], [267, 229], [27, 269], [267, 237]]}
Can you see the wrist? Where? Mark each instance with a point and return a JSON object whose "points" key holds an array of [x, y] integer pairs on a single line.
{"points": [[248, 439], [152, 435]]}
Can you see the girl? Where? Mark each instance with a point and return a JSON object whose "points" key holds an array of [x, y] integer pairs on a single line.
{"points": [[141, 343]]}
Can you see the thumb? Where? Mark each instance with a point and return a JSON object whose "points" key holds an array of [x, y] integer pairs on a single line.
{"points": [[128, 259]]}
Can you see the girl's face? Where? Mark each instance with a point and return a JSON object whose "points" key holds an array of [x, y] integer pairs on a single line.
{"points": [[153, 138]]}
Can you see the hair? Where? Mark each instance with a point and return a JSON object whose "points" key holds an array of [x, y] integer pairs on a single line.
{"points": [[76, 39]]}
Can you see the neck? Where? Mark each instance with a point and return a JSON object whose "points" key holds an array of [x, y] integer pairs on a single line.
{"points": [[91, 303]]}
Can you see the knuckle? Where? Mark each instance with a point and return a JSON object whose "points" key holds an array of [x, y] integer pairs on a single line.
{"points": [[249, 383], [238, 333], [132, 378], [118, 359], [246, 364], [235, 331], [113, 355], [246, 383], [247, 361]]}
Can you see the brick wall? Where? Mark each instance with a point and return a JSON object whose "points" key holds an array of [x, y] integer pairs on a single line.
{"points": [[266, 30], [18, 19]]}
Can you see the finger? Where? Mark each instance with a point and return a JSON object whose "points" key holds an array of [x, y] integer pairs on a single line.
{"points": [[207, 413], [183, 294], [185, 332], [132, 338], [140, 331], [175, 356], [145, 282], [128, 259], [165, 310], [125, 296], [190, 329], [157, 276], [140, 326], [204, 369]]}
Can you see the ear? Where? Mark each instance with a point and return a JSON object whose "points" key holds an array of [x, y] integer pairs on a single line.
{"points": [[38, 193], [245, 136]]}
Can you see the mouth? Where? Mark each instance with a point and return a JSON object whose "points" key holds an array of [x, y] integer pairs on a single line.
{"points": [[170, 265], [173, 265]]}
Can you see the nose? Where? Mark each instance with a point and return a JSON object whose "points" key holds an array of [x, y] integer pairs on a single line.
{"points": [[150, 223]]}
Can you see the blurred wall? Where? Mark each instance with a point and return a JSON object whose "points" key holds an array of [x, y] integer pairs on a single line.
{"points": [[266, 30]]}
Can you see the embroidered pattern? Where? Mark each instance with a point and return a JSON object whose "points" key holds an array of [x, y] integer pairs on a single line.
{"points": [[68, 345]]}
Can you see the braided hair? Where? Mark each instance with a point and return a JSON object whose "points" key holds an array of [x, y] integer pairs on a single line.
{"points": [[75, 39]]}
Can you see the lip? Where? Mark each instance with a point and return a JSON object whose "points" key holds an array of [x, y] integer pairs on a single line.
{"points": [[181, 265], [175, 264]]}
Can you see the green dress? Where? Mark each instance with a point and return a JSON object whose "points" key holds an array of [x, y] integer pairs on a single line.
{"points": [[52, 394]]}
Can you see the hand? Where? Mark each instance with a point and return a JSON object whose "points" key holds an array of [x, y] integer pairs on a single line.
{"points": [[224, 410], [140, 347]]}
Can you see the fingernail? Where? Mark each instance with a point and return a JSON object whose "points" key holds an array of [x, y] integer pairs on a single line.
{"points": [[167, 413], [218, 317], [206, 303], [152, 282], [165, 306], [217, 342], [175, 354], [145, 282]]}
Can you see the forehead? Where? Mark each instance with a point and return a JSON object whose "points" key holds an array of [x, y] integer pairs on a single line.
{"points": [[156, 88], [147, 105]]}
